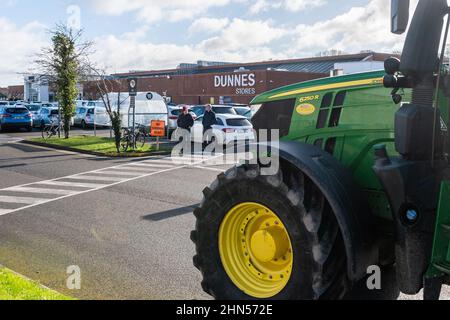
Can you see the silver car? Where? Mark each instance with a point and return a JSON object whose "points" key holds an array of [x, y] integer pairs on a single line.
{"points": [[174, 112], [84, 117]]}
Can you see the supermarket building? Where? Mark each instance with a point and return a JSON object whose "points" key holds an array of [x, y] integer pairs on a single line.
{"points": [[219, 82]]}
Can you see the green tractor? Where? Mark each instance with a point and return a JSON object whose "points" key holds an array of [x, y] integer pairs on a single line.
{"points": [[363, 180]]}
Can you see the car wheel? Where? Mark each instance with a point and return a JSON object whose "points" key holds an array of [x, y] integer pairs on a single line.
{"points": [[83, 125], [30, 128], [42, 125]]}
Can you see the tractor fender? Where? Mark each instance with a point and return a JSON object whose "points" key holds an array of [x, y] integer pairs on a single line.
{"points": [[345, 198]]}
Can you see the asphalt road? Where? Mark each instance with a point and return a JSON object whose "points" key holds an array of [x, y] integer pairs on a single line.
{"points": [[129, 235]]}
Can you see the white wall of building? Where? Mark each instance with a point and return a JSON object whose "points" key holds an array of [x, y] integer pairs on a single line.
{"points": [[357, 67]]}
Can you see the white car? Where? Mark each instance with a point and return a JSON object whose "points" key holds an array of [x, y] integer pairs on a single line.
{"points": [[174, 112], [229, 128]]}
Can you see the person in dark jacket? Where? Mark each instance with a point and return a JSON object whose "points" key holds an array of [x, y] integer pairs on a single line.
{"points": [[209, 119], [185, 120]]}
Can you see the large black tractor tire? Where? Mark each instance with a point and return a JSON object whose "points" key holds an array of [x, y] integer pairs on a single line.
{"points": [[319, 269]]}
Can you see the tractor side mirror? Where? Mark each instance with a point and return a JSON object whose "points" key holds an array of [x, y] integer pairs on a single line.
{"points": [[399, 16]]}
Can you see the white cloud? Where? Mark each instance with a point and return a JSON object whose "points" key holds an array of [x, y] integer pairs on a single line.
{"points": [[290, 5], [239, 41], [208, 25], [157, 10], [360, 28], [20, 44], [122, 53], [241, 34]]}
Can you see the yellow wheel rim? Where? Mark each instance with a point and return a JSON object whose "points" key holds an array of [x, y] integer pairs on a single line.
{"points": [[256, 250]]}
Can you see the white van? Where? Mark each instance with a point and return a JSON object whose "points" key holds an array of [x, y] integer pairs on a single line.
{"points": [[149, 106]]}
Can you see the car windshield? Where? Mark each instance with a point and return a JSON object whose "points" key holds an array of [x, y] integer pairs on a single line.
{"points": [[176, 112], [3, 103], [33, 108], [224, 110], [54, 113], [238, 123], [242, 111], [17, 110], [91, 111]]}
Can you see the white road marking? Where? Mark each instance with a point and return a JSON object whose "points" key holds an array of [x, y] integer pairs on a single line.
{"points": [[40, 190], [90, 187], [20, 200], [4, 212], [94, 178], [151, 165], [119, 173], [161, 161], [139, 169], [5, 139], [72, 184], [209, 169]]}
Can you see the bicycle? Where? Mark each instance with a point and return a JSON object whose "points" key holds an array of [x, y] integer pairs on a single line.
{"points": [[51, 130], [141, 135], [128, 138]]}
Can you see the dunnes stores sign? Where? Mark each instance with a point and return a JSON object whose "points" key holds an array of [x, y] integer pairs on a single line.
{"points": [[243, 82]]}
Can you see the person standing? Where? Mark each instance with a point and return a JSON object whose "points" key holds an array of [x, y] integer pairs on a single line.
{"points": [[209, 119], [185, 119]]}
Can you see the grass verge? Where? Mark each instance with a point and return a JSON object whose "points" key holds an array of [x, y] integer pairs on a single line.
{"points": [[98, 145], [15, 287]]}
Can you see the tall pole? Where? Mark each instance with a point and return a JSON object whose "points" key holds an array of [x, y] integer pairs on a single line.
{"points": [[59, 121], [133, 106], [132, 90]]}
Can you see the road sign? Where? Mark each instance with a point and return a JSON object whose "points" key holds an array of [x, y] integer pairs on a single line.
{"points": [[158, 128], [132, 87]]}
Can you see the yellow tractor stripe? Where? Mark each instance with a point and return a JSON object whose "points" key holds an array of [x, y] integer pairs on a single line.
{"points": [[373, 81]]}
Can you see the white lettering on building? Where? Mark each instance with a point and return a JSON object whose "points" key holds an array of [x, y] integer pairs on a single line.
{"points": [[235, 80], [244, 83]]}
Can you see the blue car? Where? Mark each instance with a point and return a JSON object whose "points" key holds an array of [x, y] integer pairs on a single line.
{"points": [[15, 117]]}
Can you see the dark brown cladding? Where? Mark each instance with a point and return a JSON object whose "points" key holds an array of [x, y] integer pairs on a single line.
{"points": [[233, 87]]}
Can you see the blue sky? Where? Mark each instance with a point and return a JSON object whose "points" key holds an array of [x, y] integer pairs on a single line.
{"points": [[152, 34]]}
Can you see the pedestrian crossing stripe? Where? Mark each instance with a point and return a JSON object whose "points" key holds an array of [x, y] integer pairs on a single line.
{"points": [[83, 182]]}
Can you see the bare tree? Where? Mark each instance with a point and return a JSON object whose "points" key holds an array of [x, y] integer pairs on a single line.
{"points": [[65, 63], [105, 85]]}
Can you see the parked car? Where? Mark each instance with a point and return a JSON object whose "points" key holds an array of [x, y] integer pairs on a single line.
{"points": [[35, 109], [84, 117], [229, 128], [15, 117], [101, 116], [47, 116], [174, 112], [218, 109], [242, 111]]}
